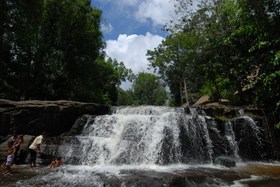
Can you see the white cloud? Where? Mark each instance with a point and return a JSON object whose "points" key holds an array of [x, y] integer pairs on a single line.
{"points": [[122, 2], [106, 27], [158, 11], [132, 49], [128, 2]]}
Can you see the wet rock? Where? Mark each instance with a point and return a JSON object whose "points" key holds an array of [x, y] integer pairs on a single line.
{"points": [[20, 172], [33, 117], [23, 152], [225, 161]]}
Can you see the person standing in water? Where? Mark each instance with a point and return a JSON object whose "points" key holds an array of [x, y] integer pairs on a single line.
{"points": [[17, 144], [9, 159], [35, 148]]}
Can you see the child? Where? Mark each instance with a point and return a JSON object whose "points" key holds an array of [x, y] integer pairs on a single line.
{"points": [[10, 146], [9, 159], [56, 162]]}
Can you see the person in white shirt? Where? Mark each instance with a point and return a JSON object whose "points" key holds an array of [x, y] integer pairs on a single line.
{"points": [[35, 148]]}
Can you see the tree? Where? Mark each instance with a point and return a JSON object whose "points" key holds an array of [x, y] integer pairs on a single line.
{"points": [[5, 88], [177, 61], [70, 46], [124, 74], [54, 50], [148, 90], [20, 26], [126, 98], [238, 49], [262, 21]]}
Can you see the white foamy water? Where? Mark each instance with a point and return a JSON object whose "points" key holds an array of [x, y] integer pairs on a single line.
{"points": [[153, 146], [152, 135], [141, 135]]}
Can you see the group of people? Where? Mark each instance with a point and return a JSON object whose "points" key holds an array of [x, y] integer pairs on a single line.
{"points": [[34, 148]]}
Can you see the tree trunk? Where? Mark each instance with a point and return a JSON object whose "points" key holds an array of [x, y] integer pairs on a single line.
{"points": [[186, 92], [181, 93]]}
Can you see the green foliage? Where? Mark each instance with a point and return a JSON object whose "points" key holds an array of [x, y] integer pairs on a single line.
{"points": [[220, 88], [71, 45], [277, 125], [148, 90], [174, 60], [18, 34], [124, 74], [229, 46], [54, 50], [126, 98]]}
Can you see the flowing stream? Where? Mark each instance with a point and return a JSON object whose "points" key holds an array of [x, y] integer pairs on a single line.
{"points": [[160, 146]]}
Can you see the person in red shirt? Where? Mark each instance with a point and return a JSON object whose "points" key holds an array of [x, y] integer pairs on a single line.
{"points": [[56, 162]]}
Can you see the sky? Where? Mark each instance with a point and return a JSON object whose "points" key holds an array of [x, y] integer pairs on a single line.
{"points": [[131, 27]]}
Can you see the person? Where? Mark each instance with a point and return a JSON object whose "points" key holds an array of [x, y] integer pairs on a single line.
{"points": [[9, 159], [56, 162], [35, 148], [17, 144], [9, 144], [14, 136]]}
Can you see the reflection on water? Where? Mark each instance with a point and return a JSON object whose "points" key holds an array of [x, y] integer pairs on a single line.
{"points": [[261, 174], [259, 168]]}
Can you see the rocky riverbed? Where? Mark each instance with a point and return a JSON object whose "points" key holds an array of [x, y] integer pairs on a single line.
{"points": [[249, 175], [19, 172]]}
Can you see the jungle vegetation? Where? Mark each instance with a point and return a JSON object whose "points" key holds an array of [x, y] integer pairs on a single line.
{"points": [[223, 48]]}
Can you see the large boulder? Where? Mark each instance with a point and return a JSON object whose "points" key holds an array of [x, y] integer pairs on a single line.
{"points": [[23, 152], [225, 161], [33, 117]]}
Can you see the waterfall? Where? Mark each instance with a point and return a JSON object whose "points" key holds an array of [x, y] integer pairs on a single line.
{"points": [[150, 135], [161, 146]]}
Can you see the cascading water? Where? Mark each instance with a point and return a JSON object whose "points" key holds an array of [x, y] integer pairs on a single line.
{"points": [[148, 135], [155, 146]]}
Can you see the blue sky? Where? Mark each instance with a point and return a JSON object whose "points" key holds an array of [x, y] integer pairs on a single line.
{"points": [[133, 16], [131, 27]]}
